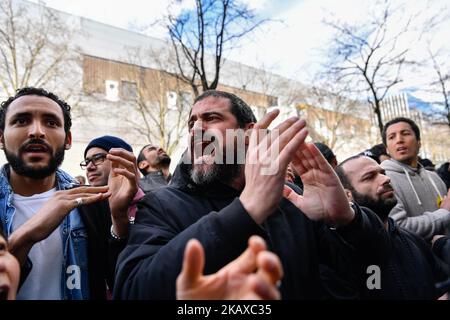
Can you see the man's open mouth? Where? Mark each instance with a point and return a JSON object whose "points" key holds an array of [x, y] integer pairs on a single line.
{"points": [[204, 152], [36, 148]]}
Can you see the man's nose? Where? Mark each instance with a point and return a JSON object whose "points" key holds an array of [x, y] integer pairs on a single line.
{"points": [[386, 180], [91, 166], [197, 130], [36, 130], [398, 138]]}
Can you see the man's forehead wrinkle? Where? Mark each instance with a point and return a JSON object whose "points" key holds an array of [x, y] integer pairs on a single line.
{"points": [[211, 105], [358, 169], [32, 102], [28, 111]]}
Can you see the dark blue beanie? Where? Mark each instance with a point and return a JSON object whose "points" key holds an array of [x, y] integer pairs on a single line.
{"points": [[325, 151], [108, 142]]}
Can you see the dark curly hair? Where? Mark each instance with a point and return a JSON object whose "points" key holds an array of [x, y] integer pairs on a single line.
{"points": [[27, 91], [411, 123]]}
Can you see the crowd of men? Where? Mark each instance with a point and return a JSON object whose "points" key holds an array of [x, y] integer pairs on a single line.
{"points": [[256, 214]]}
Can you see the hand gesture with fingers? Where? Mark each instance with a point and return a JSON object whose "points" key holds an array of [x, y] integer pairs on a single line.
{"points": [[251, 276], [323, 197], [123, 184], [445, 204], [268, 156], [50, 216]]}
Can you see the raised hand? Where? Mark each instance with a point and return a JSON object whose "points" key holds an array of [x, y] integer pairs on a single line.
{"points": [[50, 216], [123, 184], [268, 156], [251, 276], [323, 197], [445, 204]]}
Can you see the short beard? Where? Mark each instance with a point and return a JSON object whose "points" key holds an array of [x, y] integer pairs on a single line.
{"points": [[164, 161], [224, 173], [19, 167], [382, 207]]}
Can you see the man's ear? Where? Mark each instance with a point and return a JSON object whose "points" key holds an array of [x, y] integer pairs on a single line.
{"points": [[419, 143], [248, 130], [68, 142], [143, 164], [349, 195]]}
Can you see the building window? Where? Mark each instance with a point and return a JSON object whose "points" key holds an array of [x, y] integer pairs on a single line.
{"points": [[112, 90], [273, 101], [171, 100], [129, 90], [321, 124]]}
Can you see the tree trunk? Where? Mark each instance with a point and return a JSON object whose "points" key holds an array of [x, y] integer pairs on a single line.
{"points": [[378, 113]]}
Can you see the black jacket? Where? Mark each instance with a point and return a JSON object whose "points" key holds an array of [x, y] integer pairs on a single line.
{"points": [[412, 269], [152, 181], [167, 218], [444, 174], [103, 249], [441, 248], [408, 271]]}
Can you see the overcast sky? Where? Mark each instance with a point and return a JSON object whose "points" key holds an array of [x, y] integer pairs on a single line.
{"points": [[290, 48]]}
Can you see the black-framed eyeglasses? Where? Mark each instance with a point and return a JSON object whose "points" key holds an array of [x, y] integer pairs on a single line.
{"points": [[96, 159]]}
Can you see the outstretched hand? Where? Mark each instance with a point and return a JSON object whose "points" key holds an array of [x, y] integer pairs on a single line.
{"points": [[323, 197], [251, 276], [50, 216], [268, 155], [123, 184], [445, 203]]}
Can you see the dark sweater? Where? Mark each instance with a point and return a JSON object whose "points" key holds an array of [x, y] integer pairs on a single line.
{"points": [[409, 272], [103, 250], [444, 174], [152, 181]]}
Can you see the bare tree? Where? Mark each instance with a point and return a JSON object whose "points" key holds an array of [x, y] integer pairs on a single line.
{"points": [[441, 85], [371, 55], [201, 36], [159, 102], [35, 49], [260, 79], [327, 111]]}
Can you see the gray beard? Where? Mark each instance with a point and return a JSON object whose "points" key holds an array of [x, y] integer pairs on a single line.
{"points": [[215, 172]]}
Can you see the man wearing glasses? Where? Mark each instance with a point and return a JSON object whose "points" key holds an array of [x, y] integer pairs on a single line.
{"points": [[95, 163], [98, 167]]}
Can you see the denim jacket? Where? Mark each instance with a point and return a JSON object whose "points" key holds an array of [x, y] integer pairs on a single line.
{"points": [[74, 277]]}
